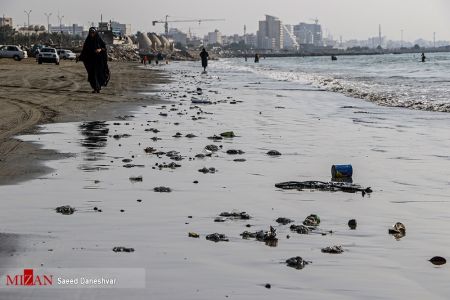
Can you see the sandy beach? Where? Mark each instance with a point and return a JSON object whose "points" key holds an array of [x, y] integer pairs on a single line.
{"points": [[33, 94], [392, 150]]}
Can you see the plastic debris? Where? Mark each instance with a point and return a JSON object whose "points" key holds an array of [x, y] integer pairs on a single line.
{"points": [[193, 235], [217, 237], [296, 262], [123, 249], [333, 250], [312, 220], [65, 210]]}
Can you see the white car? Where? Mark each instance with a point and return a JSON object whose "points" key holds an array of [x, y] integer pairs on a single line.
{"points": [[66, 54], [11, 51], [49, 55]]}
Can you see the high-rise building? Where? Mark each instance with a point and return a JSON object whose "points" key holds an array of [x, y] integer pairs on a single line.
{"points": [[214, 37], [178, 36], [270, 34], [120, 29], [6, 21], [290, 40], [251, 40], [309, 34], [74, 29]]}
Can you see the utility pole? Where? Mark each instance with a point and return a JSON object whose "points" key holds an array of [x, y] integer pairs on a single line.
{"points": [[48, 15]]}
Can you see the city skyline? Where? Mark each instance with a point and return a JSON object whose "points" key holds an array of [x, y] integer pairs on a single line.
{"points": [[415, 19]]}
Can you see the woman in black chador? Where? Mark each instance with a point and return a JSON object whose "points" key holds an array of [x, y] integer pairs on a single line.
{"points": [[204, 56], [95, 59]]}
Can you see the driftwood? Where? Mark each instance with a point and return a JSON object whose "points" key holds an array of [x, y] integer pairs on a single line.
{"points": [[323, 186]]}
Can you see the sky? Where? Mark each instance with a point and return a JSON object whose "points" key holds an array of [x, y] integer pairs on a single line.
{"points": [[351, 19]]}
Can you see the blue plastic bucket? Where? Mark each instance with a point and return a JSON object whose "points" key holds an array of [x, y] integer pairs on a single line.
{"points": [[341, 171]]}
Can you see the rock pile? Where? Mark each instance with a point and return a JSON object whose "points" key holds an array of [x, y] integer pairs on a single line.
{"points": [[122, 53]]}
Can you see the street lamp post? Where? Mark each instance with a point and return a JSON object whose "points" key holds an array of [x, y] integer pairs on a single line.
{"points": [[28, 15], [48, 15], [60, 18], [28, 29]]}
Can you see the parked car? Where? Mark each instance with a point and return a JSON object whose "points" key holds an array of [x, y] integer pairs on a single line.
{"points": [[66, 54], [11, 51], [48, 55], [34, 51]]}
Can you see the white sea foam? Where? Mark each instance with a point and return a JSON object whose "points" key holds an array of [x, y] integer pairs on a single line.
{"points": [[388, 80]]}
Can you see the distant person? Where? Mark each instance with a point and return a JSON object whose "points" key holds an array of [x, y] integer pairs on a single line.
{"points": [[95, 59], [160, 56], [204, 55], [333, 58], [145, 60], [245, 56], [256, 58], [424, 58]]}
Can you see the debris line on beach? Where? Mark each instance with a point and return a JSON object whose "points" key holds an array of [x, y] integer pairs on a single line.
{"points": [[323, 186]]}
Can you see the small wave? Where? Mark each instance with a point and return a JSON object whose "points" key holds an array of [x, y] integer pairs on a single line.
{"points": [[422, 92]]}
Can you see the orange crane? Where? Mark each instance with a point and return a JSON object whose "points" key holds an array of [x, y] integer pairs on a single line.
{"points": [[166, 22]]}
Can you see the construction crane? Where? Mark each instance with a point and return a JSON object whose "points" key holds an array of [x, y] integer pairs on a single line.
{"points": [[166, 22]]}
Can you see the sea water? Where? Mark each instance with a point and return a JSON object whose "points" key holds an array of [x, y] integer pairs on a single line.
{"points": [[390, 80]]}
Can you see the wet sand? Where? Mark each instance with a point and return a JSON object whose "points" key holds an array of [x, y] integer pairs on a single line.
{"points": [[33, 94], [401, 154]]}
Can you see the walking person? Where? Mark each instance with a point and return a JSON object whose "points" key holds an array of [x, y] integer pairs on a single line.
{"points": [[95, 59], [204, 55], [424, 58]]}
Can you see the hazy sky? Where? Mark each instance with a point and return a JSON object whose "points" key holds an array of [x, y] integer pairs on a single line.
{"points": [[349, 18]]}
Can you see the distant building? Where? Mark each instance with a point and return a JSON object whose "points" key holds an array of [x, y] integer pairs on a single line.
{"points": [[74, 29], [120, 29], [213, 38], [6, 21], [375, 42], [33, 29], [251, 40], [270, 34], [232, 39], [309, 34], [194, 42], [289, 39], [178, 36], [103, 26]]}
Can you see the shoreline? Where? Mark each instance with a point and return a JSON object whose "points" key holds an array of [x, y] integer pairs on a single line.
{"points": [[35, 94], [339, 52]]}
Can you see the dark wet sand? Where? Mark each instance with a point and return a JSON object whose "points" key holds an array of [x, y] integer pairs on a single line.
{"points": [[33, 94]]}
